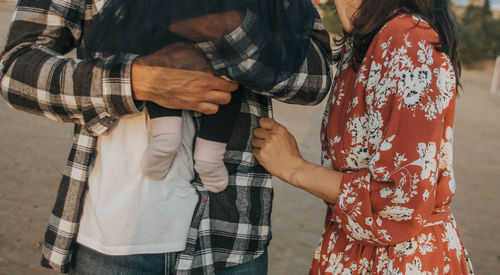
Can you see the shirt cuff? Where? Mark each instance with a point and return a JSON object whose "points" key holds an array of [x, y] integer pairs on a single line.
{"points": [[117, 87], [235, 48]]}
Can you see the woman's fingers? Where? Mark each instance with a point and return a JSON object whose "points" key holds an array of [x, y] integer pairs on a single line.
{"points": [[261, 133], [268, 123], [258, 143], [276, 149], [256, 153]]}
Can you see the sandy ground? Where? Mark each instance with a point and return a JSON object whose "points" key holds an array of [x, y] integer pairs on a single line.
{"points": [[33, 152]]}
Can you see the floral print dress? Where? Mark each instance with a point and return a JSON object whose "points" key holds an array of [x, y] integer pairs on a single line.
{"points": [[389, 127]]}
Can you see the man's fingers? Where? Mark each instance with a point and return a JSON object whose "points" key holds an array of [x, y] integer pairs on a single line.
{"points": [[220, 84], [217, 97], [207, 108], [261, 133]]}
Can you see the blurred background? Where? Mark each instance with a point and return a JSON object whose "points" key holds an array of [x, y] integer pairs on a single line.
{"points": [[33, 153]]}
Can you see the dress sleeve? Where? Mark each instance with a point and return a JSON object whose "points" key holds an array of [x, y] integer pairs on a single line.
{"points": [[409, 88], [36, 77]]}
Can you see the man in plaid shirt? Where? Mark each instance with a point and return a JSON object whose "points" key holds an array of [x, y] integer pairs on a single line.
{"points": [[228, 229]]}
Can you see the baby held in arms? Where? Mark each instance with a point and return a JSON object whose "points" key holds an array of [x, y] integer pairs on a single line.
{"points": [[178, 31]]}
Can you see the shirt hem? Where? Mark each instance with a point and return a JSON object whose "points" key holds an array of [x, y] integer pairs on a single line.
{"points": [[132, 249]]}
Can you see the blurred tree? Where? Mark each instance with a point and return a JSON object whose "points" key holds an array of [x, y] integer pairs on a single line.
{"points": [[478, 29], [330, 18], [491, 27], [479, 34]]}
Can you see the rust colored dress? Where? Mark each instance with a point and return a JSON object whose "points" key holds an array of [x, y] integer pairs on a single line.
{"points": [[389, 126]]}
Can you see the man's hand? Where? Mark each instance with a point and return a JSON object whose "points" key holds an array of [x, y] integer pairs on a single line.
{"points": [[179, 77]]}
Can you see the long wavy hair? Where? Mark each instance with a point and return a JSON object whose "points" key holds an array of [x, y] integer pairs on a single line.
{"points": [[372, 15]]}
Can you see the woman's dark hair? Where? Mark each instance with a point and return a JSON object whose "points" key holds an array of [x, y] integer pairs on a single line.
{"points": [[372, 15]]}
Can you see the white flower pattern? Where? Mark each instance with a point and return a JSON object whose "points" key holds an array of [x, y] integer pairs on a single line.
{"points": [[395, 144]]}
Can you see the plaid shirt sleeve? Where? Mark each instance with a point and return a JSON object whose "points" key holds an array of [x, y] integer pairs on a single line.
{"points": [[36, 76], [237, 53]]}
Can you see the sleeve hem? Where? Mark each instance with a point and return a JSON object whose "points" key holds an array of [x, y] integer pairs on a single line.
{"points": [[238, 45], [357, 230], [117, 87]]}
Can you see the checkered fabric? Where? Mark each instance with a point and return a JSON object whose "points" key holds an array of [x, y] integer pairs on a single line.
{"points": [[228, 228]]}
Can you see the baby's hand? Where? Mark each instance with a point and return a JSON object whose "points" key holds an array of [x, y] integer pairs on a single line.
{"points": [[208, 27], [178, 56]]}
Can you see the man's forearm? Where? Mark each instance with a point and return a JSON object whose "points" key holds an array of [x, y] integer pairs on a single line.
{"points": [[36, 77], [60, 88]]}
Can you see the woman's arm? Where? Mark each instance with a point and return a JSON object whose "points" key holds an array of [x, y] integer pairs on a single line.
{"points": [[410, 120], [276, 149], [321, 182]]}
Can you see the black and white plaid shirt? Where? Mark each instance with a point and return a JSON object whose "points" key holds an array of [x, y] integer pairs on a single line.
{"points": [[228, 228]]}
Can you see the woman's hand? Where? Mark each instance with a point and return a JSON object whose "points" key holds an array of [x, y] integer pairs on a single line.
{"points": [[276, 149]]}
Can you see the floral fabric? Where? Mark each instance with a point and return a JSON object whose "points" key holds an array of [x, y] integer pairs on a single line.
{"points": [[389, 126]]}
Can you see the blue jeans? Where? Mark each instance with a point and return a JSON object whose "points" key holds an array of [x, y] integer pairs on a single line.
{"points": [[86, 261], [254, 267]]}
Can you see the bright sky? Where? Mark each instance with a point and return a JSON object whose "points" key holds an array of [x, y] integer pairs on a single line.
{"points": [[494, 3]]}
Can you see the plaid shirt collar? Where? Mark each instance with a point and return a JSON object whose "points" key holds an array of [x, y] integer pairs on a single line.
{"points": [[228, 228]]}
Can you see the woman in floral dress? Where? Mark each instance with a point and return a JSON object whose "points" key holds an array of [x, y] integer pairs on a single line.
{"points": [[387, 135]]}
